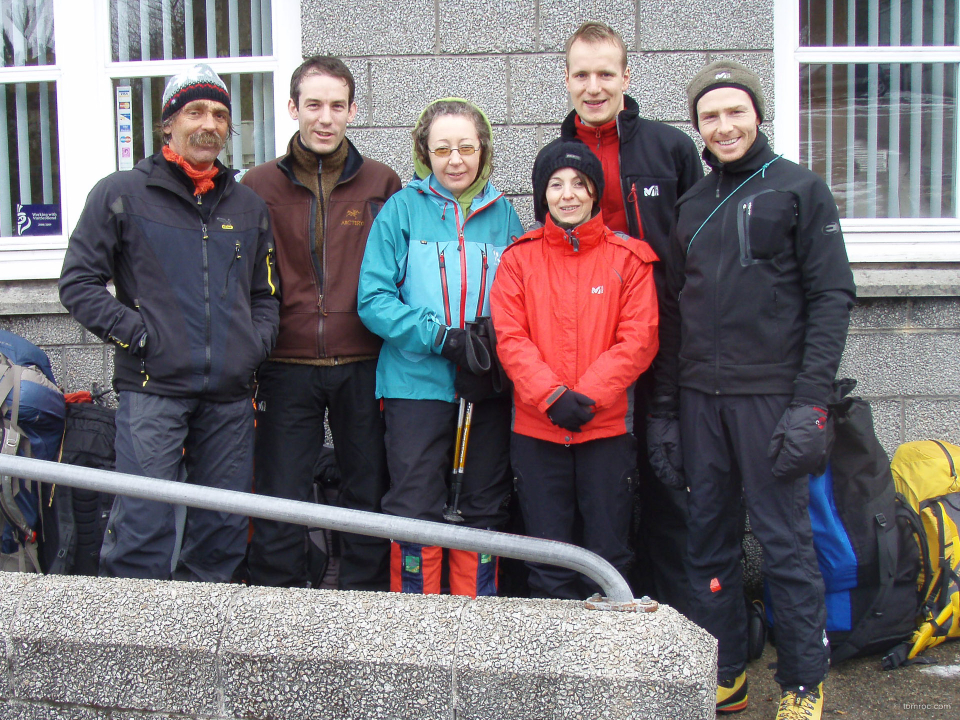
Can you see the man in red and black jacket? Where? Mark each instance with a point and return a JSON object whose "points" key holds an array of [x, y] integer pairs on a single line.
{"points": [[323, 196], [652, 164]]}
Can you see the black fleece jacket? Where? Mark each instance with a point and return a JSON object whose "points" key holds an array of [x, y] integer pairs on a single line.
{"points": [[194, 274], [658, 164], [759, 286]]}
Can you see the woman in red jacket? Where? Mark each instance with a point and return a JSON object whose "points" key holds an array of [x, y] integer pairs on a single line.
{"points": [[575, 312]]}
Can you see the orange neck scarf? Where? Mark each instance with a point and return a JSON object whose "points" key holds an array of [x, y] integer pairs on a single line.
{"points": [[202, 179]]}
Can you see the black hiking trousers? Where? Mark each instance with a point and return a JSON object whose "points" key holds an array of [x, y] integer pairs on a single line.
{"points": [[659, 525], [420, 439], [580, 494], [725, 440], [202, 442], [292, 400]]}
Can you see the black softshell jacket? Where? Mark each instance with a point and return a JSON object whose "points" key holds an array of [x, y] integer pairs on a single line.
{"points": [[198, 278], [759, 283]]}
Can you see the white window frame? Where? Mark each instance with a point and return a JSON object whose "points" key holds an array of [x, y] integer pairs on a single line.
{"points": [[84, 76], [867, 240]]}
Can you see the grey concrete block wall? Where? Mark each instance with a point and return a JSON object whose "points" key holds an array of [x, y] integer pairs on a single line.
{"points": [[508, 58], [78, 359], [905, 355]]}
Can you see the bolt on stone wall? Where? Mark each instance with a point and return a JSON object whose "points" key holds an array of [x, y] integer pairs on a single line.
{"points": [[507, 57]]}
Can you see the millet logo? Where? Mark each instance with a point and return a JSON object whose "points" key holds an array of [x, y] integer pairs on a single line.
{"points": [[598, 290], [353, 218], [652, 191]]}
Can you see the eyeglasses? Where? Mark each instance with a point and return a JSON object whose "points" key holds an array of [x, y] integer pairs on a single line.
{"points": [[464, 150]]}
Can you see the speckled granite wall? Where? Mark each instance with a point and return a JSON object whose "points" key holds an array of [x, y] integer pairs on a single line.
{"points": [[904, 353], [508, 58], [94, 649]]}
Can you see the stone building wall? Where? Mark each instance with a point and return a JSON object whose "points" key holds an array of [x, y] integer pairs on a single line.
{"points": [[507, 56], [903, 351]]}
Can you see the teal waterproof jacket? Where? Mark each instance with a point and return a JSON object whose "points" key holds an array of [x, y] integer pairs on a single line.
{"points": [[427, 268]]}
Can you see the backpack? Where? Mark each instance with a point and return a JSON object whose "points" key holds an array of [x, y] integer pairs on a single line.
{"points": [[928, 496], [33, 412], [88, 441], [870, 583]]}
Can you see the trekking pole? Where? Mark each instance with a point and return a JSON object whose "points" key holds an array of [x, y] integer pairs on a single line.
{"points": [[451, 513]]}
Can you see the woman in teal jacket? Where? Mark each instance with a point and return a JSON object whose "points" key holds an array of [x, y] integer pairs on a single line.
{"points": [[429, 264]]}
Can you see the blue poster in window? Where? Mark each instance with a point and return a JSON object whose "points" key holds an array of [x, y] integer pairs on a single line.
{"points": [[38, 220]]}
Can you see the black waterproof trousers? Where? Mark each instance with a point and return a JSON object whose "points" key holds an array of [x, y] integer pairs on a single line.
{"points": [[291, 403], [659, 526], [725, 440], [579, 494], [209, 444], [420, 439]]}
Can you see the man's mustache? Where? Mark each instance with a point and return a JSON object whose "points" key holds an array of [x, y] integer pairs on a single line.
{"points": [[203, 138]]}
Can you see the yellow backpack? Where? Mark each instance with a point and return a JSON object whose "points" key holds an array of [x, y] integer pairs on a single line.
{"points": [[928, 498], [924, 470]]}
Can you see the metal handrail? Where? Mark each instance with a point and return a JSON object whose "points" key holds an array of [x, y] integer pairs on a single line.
{"points": [[550, 552]]}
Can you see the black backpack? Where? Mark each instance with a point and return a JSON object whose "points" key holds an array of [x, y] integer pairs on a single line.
{"points": [[867, 558], [88, 442]]}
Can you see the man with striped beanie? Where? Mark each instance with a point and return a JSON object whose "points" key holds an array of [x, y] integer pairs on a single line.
{"points": [[196, 310]]}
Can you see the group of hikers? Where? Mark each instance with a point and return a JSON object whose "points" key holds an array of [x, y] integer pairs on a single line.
{"points": [[703, 316]]}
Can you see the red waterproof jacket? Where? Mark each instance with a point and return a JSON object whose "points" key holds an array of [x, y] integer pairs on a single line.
{"points": [[575, 309]]}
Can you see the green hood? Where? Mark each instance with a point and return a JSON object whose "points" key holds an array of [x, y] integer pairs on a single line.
{"points": [[466, 198]]}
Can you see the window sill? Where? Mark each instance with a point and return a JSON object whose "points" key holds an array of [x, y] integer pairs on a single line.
{"points": [[907, 280]]}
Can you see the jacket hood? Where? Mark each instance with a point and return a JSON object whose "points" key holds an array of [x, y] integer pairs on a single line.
{"points": [[422, 170]]}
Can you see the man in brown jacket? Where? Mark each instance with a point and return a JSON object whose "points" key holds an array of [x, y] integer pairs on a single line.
{"points": [[323, 196]]}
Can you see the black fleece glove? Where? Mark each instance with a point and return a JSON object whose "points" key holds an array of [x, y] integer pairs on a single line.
{"points": [[473, 388], [664, 449], [571, 410], [455, 346], [799, 443]]}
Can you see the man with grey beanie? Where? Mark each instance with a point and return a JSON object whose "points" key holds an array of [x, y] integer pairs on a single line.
{"points": [[196, 310], [761, 292]]}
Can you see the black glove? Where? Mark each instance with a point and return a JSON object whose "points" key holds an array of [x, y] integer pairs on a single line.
{"points": [[664, 449], [799, 443], [473, 388], [571, 410], [455, 346]]}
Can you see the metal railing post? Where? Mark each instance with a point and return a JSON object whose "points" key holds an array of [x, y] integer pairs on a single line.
{"points": [[612, 584]]}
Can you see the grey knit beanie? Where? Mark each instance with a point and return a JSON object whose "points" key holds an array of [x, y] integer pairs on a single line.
{"points": [[725, 73], [198, 83]]}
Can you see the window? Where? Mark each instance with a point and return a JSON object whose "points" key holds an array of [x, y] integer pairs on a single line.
{"points": [[145, 34], [29, 147], [869, 90], [64, 62]]}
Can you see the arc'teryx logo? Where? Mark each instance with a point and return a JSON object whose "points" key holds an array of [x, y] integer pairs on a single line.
{"points": [[353, 218], [598, 290]]}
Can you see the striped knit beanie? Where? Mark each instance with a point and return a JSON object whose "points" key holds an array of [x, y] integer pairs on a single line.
{"points": [[198, 83]]}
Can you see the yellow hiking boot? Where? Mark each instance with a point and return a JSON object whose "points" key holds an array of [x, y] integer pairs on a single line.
{"points": [[804, 703], [732, 694]]}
